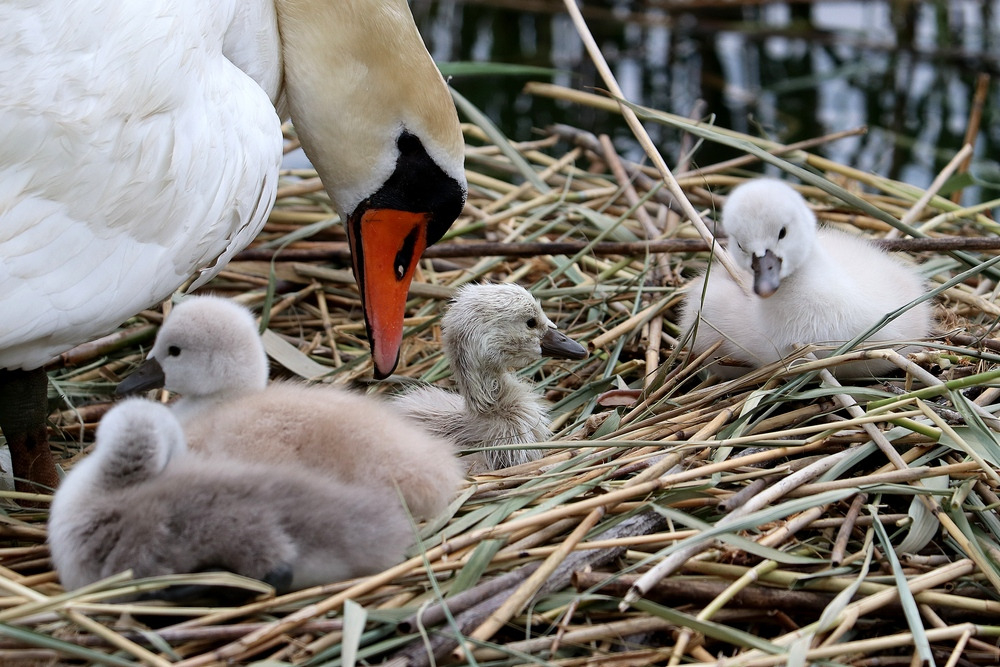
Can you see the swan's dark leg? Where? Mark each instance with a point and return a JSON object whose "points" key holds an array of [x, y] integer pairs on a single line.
{"points": [[23, 410]]}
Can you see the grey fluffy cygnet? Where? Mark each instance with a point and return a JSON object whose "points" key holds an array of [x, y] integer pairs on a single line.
{"points": [[142, 502], [810, 286], [209, 351], [489, 330]]}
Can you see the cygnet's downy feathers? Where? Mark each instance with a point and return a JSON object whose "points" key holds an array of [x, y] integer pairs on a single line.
{"points": [[818, 286], [142, 502], [487, 331], [209, 351]]}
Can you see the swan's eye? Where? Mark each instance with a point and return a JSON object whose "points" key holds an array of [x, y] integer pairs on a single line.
{"points": [[782, 233], [532, 323], [740, 246], [174, 351]]}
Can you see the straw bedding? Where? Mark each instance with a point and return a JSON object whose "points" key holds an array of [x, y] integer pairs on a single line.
{"points": [[676, 518]]}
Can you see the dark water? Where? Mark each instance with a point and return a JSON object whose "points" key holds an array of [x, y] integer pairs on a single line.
{"points": [[791, 71]]}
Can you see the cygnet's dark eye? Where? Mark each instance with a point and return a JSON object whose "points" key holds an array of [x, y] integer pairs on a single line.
{"points": [[174, 351], [740, 246], [532, 323], [782, 233]]}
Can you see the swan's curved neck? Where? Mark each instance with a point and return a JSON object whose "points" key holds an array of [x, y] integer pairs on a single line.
{"points": [[349, 126]]}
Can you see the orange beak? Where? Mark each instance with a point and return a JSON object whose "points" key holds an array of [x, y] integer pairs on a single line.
{"points": [[386, 245]]}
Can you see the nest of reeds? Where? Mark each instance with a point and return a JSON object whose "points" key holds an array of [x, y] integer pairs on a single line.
{"points": [[676, 518]]}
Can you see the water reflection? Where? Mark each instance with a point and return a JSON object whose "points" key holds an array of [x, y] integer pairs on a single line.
{"points": [[792, 71]]}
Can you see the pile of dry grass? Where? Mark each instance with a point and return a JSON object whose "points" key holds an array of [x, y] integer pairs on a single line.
{"points": [[676, 518]]}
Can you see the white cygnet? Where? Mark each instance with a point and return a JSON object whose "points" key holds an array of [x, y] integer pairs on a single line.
{"points": [[487, 331], [209, 351], [142, 502], [810, 286]]}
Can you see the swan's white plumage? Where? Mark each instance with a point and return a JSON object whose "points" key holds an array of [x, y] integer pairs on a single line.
{"points": [[132, 152], [833, 286]]}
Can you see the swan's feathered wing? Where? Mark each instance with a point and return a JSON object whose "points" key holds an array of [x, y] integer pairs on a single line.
{"points": [[133, 151]]}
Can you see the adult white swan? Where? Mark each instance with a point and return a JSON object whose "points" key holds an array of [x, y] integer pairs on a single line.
{"points": [[139, 143]]}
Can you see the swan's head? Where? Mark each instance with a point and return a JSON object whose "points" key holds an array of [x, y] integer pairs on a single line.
{"points": [[208, 346], [501, 327], [135, 441], [376, 119], [771, 230]]}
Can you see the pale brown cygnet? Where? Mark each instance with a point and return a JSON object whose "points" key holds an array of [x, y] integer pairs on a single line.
{"points": [[209, 351]]}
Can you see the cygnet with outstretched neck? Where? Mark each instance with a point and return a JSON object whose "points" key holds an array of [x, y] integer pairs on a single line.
{"points": [[143, 502], [487, 331], [810, 285], [209, 351]]}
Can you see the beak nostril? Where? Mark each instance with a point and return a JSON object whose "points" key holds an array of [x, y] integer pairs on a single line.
{"points": [[766, 273]]}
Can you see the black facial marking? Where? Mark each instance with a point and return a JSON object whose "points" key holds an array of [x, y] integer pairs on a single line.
{"points": [[419, 185], [409, 145]]}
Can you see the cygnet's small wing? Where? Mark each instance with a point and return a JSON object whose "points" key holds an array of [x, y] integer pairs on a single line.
{"points": [[558, 345]]}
